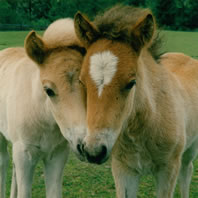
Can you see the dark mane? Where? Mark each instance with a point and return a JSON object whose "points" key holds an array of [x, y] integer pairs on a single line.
{"points": [[116, 23], [156, 47]]}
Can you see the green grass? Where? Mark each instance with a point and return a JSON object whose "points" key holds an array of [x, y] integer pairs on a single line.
{"points": [[13, 39], [82, 180], [186, 42]]}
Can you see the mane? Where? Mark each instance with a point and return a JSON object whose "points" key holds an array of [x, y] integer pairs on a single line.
{"points": [[116, 23], [61, 33]]}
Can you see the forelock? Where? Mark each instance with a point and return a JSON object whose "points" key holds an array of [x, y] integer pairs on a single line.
{"points": [[61, 33], [103, 66]]}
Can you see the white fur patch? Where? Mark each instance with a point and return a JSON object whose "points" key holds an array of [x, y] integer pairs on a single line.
{"points": [[103, 66]]}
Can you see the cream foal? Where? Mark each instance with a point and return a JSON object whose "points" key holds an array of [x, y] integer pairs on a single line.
{"points": [[40, 99]]}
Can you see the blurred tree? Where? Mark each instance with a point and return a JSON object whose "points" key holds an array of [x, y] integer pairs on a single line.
{"points": [[172, 14], [7, 14], [34, 9], [136, 3], [12, 3], [187, 14], [167, 8]]}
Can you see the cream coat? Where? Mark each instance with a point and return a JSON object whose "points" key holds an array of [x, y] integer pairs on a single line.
{"points": [[28, 117]]}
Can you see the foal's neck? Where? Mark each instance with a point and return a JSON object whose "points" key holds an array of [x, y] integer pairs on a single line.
{"points": [[150, 89]]}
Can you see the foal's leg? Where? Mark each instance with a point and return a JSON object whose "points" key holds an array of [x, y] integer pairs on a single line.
{"points": [[187, 170], [4, 158], [54, 166], [25, 158], [166, 178], [13, 193], [126, 181], [185, 179]]}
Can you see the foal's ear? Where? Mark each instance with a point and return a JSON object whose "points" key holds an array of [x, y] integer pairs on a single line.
{"points": [[143, 31], [85, 30], [35, 47]]}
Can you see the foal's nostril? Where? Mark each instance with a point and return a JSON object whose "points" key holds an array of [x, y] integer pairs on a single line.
{"points": [[83, 147], [104, 151], [79, 149], [99, 158]]}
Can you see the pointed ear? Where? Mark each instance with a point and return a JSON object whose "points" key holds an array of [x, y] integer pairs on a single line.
{"points": [[143, 31], [85, 30], [35, 47]]}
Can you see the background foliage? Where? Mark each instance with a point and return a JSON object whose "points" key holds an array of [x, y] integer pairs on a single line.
{"points": [[37, 14]]}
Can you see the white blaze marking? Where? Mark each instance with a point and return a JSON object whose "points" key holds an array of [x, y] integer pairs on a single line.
{"points": [[103, 66]]}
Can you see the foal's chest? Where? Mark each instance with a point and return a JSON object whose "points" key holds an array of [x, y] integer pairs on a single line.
{"points": [[137, 154]]}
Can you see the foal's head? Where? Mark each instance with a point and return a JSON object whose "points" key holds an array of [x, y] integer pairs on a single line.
{"points": [[114, 43], [59, 56]]}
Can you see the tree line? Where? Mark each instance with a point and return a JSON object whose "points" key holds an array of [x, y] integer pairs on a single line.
{"points": [[170, 14]]}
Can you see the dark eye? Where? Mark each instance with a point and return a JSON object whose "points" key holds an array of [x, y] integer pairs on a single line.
{"points": [[81, 82], [130, 84], [49, 92]]}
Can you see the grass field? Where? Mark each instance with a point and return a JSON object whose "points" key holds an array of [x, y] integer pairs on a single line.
{"points": [[83, 180]]}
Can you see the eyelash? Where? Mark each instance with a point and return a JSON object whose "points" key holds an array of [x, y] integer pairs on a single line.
{"points": [[130, 85]]}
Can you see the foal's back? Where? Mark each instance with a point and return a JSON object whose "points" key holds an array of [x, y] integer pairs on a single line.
{"points": [[184, 70], [181, 65]]}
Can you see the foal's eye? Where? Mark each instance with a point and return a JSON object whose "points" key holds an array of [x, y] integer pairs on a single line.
{"points": [[130, 84], [49, 92], [81, 82]]}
